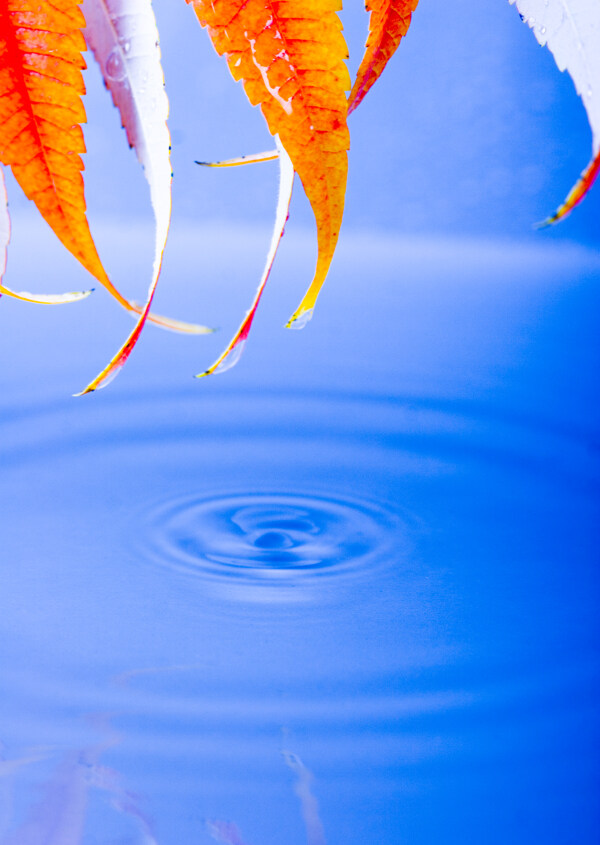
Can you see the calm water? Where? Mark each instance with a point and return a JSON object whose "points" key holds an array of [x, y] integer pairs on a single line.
{"points": [[345, 594]]}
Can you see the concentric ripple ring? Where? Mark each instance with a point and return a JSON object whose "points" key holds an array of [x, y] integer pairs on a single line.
{"points": [[282, 541]]}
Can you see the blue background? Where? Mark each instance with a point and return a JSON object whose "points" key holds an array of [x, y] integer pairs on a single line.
{"points": [[438, 420]]}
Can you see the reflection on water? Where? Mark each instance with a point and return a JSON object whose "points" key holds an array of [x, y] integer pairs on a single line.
{"points": [[229, 833], [226, 832], [315, 834], [356, 613], [59, 817], [389, 591]]}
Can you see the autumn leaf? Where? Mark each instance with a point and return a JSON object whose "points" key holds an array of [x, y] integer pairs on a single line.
{"points": [[255, 158], [388, 24], [25, 296], [123, 37], [40, 116], [290, 55], [40, 133], [571, 31], [231, 355]]}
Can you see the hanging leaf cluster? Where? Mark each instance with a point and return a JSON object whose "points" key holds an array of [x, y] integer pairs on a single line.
{"points": [[290, 56]]}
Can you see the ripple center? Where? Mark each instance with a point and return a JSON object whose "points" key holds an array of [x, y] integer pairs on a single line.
{"points": [[276, 540]]}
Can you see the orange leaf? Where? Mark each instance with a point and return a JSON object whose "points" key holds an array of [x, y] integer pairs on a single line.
{"points": [[388, 24], [290, 55], [577, 192], [40, 112]]}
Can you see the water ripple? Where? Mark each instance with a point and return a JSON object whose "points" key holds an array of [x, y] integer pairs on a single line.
{"points": [[272, 545], [398, 589]]}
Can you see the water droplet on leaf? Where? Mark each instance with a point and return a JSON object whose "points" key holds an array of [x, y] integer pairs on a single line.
{"points": [[115, 66]]}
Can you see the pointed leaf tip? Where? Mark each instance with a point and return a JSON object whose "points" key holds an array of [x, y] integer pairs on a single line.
{"points": [[300, 319], [291, 59], [571, 31], [41, 113], [124, 39], [47, 298], [233, 352], [269, 155], [388, 24], [229, 358], [576, 195], [114, 366], [26, 296]]}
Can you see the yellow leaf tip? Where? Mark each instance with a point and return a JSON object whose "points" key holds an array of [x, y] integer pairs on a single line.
{"points": [[252, 158], [298, 321]]}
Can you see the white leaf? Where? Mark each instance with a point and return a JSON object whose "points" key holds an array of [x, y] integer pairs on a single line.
{"points": [[571, 30], [231, 355], [124, 39]]}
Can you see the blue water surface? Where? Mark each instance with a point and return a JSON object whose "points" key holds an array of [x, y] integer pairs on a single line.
{"points": [[346, 593]]}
